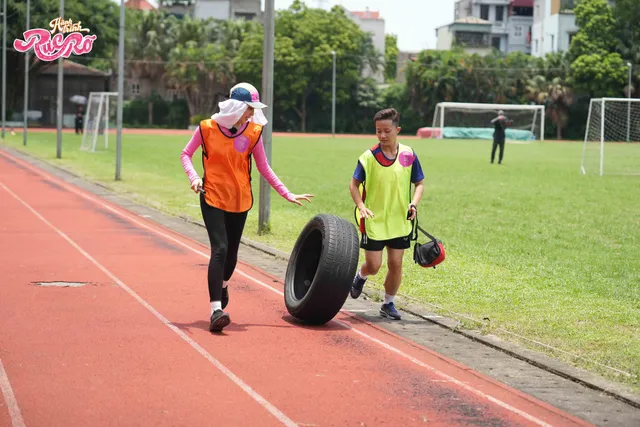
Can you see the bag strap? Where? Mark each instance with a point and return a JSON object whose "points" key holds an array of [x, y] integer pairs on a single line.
{"points": [[415, 228]]}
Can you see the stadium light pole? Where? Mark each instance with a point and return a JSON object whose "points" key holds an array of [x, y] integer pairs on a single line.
{"points": [[120, 93], [26, 80], [4, 65], [60, 95], [267, 98], [333, 96], [629, 103]]}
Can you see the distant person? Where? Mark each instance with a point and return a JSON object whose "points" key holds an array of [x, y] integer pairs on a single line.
{"points": [[229, 139], [499, 135], [79, 121], [387, 206]]}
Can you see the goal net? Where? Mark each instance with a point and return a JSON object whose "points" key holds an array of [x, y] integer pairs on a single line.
{"points": [[459, 120], [100, 116], [611, 137]]}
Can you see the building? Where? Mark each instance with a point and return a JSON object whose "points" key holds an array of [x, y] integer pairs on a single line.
{"points": [[217, 9], [372, 23], [142, 5], [483, 25], [473, 34], [554, 25]]}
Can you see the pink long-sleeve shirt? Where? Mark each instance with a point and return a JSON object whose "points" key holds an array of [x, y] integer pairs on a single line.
{"points": [[258, 153]]}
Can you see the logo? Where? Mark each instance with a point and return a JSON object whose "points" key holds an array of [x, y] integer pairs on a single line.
{"points": [[406, 159], [49, 45], [241, 143]]}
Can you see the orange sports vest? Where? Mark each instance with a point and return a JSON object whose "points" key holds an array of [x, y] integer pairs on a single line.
{"points": [[226, 161]]}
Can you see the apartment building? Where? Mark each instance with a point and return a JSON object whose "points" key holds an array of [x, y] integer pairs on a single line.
{"points": [[483, 25], [371, 22], [554, 25], [218, 9]]}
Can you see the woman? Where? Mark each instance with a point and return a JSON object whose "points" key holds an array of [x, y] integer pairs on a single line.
{"points": [[228, 140]]}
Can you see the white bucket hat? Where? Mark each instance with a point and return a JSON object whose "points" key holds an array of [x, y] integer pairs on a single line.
{"points": [[241, 96]]}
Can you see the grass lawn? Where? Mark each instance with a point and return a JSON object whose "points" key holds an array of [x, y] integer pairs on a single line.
{"points": [[534, 248]]}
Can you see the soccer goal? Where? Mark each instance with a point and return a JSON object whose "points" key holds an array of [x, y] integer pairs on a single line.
{"points": [[611, 137], [100, 114], [460, 120]]}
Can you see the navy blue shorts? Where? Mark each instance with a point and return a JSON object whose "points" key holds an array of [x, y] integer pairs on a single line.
{"points": [[368, 244]]}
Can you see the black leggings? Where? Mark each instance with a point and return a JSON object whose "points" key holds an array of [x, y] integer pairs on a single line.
{"points": [[497, 143], [225, 230]]}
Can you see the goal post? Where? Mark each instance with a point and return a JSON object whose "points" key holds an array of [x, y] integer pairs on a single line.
{"points": [[611, 137], [101, 110], [463, 120]]}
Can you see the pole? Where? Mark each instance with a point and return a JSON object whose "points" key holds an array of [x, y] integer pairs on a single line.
{"points": [[26, 80], [120, 94], [267, 98], [4, 65], [629, 103], [60, 94], [333, 98]]}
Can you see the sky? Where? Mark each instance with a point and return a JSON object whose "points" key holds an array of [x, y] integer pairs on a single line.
{"points": [[413, 21]]}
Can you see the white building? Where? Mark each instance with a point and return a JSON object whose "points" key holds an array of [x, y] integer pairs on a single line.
{"points": [[509, 25], [554, 25], [372, 23], [218, 9]]}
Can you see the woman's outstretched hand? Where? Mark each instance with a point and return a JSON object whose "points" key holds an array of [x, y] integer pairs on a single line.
{"points": [[297, 197]]}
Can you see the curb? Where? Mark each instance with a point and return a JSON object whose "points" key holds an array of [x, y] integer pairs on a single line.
{"points": [[556, 367]]}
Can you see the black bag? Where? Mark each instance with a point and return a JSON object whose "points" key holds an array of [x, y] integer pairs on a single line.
{"points": [[428, 254]]}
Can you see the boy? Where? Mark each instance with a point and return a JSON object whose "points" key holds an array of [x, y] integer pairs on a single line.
{"points": [[386, 206]]}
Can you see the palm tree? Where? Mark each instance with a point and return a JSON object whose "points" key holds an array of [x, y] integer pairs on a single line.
{"points": [[150, 43], [556, 96]]}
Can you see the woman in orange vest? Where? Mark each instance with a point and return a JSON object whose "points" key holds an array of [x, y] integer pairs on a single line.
{"points": [[228, 140]]}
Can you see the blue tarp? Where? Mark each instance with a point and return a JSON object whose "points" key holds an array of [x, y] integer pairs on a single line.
{"points": [[486, 133]]}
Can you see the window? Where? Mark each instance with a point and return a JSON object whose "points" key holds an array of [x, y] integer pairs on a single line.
{"points": [[499, 13], [135, 88], [495, 42], [525, 11], [484, 12], [537, 46], [471, 39], [517, 31], [246, 16]]}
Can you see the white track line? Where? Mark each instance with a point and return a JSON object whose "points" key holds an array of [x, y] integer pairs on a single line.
{"points": [[277, 291], [244, 386], [10, 399]]}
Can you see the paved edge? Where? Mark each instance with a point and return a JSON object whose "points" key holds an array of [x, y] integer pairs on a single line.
{"points": [[539, 360]]}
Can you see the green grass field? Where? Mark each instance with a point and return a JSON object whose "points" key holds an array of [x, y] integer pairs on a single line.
{"points": [[533, 247]]}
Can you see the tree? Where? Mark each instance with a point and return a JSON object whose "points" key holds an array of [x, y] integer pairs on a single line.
{"points": [[150, 39], [304, 40], [597, 33], [390, 57], [596, 68], [555, 95]]}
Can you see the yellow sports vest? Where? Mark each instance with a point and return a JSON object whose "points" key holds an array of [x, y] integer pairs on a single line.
{"points": [[387, 192], [226, 162]]}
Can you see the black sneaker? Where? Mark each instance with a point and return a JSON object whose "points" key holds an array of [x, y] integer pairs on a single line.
{"points": [[356, 287], [225, 297], [389, 311], [219, 319]]}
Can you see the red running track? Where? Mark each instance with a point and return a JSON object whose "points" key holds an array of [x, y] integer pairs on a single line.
{"points": [[131, 346]]}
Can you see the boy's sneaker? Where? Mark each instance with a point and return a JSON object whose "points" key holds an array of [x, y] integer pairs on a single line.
{"points": [[356, 287], [389, 311], [219, 319], [225, 297]]}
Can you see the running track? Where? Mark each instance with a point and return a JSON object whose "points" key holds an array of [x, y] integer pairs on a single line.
{"points": [[131, 347]]}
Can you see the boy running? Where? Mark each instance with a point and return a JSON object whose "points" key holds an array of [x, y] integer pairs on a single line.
{"points": [[386, 207]]}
